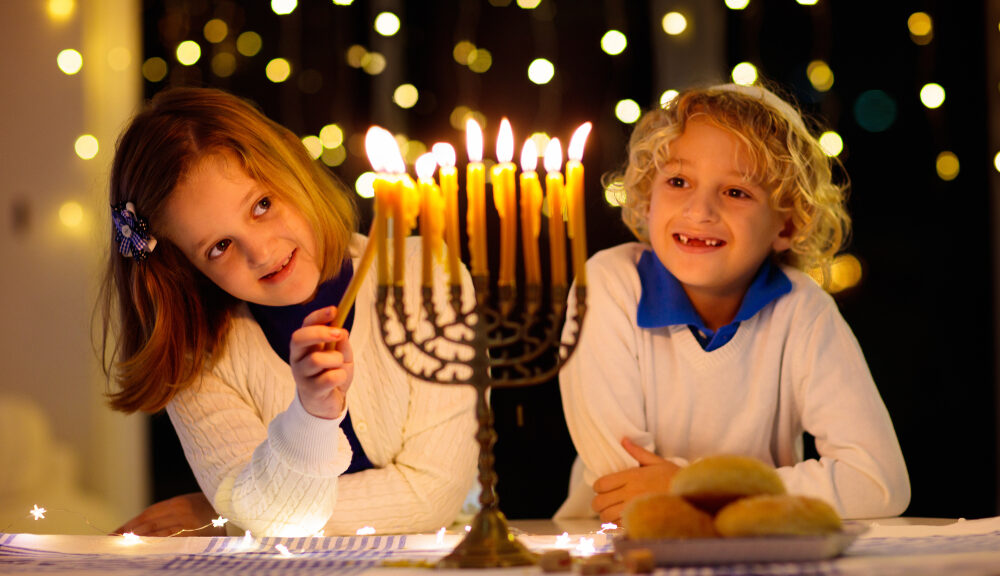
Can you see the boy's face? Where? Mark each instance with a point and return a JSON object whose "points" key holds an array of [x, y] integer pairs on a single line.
{"points": [[247, 241], [708, 225]]}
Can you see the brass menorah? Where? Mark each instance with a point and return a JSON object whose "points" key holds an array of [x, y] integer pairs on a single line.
{"points": [[513, 344]]}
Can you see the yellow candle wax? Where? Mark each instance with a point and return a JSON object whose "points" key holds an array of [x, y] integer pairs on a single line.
{"points": [[531, 204], [475, 188], [399, 231], [430, 214], [504, 196], [554, 197], [448, 175], [382, 209], [379, 144], [574, 186]]}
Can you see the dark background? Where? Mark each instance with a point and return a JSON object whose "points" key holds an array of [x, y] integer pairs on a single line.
{"points": [[924, 310]]}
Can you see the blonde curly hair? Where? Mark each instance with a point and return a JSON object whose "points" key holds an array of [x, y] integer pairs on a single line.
{"points": [[785, 158]]}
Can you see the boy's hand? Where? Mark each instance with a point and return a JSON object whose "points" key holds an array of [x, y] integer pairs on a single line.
{"points": [[322, 373], [616, 490]]}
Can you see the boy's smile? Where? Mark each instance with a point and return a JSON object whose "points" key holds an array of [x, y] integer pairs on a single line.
{"points": [[709, 224], [243, 237]]}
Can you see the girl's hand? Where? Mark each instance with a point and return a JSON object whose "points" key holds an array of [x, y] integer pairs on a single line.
{"points": [[615, 491], [322, 373]]}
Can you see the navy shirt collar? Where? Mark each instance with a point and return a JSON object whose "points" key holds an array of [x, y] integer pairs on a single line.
{"points": [[664, 302]]}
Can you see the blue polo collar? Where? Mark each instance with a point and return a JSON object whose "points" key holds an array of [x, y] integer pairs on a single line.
{"points": [[664, 302]]}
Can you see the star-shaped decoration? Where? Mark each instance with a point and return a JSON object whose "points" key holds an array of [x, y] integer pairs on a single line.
{"points": [[219, 522], [37, 512]]}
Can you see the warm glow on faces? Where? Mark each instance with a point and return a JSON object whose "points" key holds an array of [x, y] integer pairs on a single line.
{"points": [[251, 243], [708, 224]]}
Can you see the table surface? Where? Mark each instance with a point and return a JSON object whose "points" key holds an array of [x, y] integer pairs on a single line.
{"points": [[887, 546]]}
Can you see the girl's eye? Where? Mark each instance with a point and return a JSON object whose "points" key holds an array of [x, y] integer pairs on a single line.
{"points": [[217, 249], [676, 182], [262, 206], [736, 193]]}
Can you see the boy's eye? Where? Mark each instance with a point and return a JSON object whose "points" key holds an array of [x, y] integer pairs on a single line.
{"points": [[676, 182], [262, 206], [736, 193], [218, 248]]}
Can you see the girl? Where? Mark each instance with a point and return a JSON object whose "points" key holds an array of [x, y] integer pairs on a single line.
{"points": [[231, 248], [707, 337]]}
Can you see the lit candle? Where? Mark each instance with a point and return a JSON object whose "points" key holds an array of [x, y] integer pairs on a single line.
{"points": [[475, 188], [554, 195], [448, 176], [431, 215], [407, 209], [504, 198], [531, 204], [574, 188], [377, 142]]}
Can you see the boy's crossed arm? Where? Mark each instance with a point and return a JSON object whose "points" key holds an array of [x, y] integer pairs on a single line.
{"points": [[616, 490]]}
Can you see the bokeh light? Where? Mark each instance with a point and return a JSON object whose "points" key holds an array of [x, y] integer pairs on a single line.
{"points": [[356, 55], [744, 74], [667, 97], [932, 95], [541, 71], [387, 24], [313, 145], [947, 165], [807, 2], [674, 23], [613, 42], [737, 4], [627, 111], [480, 60], [820, 75], [188, 52], [215, 30], [343, 2], [154, 69], [71, 214], [831, 143], [614, 193], [996, 161], [69, 61], [278, 70], [461, 52], [921, 28], [331, 135], [86, 146], [528, 4], [282, 7], [60, 10], [224, 64], [875, 111], [373, 63], [334, 156], [405, 95], [249, 43], [365, 185]]}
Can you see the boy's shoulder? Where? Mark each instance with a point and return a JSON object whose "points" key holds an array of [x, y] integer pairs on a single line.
{"points": [[805, 293], [627, 254]]}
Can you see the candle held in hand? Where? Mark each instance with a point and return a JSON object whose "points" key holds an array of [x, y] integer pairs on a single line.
{"points": [[431, 214]]}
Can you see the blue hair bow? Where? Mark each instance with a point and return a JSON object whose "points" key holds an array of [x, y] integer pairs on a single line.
{"points": [[131, 232]]}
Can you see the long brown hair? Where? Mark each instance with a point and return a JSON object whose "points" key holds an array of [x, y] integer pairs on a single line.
{"points": [[163, 321]]}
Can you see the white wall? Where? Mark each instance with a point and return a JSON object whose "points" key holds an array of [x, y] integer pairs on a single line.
{"points": [[50, 272]]}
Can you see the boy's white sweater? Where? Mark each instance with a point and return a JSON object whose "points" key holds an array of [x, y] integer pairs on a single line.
{"points": [[795, 366]]}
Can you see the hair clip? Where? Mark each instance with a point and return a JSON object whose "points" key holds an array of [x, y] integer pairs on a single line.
{"points": [[131, 232]]}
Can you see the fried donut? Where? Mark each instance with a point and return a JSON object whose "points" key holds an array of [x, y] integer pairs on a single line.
{"points": [[777, 515], [714, 481], [660, 515]]}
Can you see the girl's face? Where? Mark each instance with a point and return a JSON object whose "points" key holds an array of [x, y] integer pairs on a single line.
{"points": [[252, 244], [708, 224]]}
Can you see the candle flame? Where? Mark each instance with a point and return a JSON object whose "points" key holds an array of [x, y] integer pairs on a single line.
{"points": [[529, 156], [444, 153], [474, 140], [425, 165], [383, 151], [505, 142], [576, 143], [553, 156]]}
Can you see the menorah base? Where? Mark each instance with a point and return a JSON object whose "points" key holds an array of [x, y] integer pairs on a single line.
{"points": [[489, 544]]}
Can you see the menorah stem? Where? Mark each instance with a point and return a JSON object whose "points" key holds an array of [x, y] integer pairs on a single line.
{"points": [[487, 438]]}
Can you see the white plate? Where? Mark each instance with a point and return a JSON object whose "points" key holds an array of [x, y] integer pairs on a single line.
{"points": [[703, 551]]}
